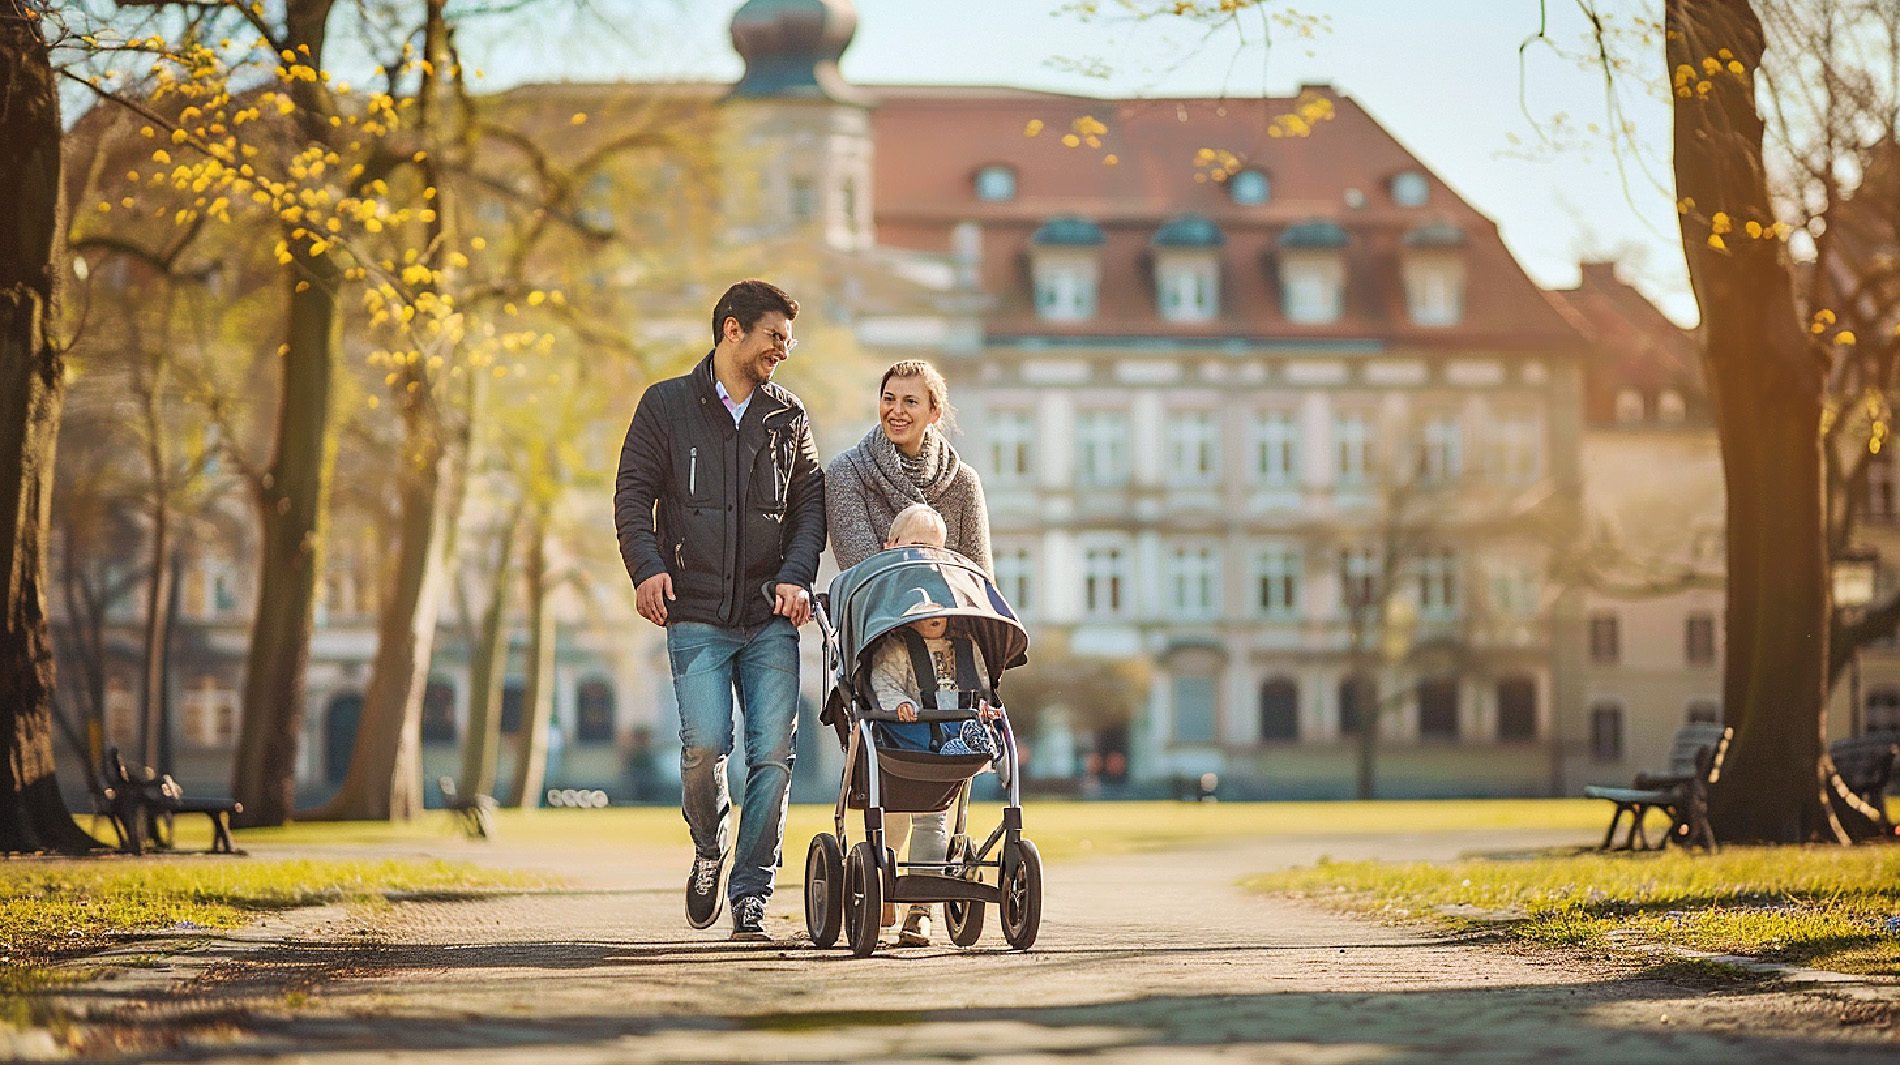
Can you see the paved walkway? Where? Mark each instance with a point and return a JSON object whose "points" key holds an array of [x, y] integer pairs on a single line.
{"points": [[1151, 958]]}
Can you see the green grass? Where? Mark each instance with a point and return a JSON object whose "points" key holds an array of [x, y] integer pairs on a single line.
{"points": [[1824, 907], [1061, 829], [55, 910]]}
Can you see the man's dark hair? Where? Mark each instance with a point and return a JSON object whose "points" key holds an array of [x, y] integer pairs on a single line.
{"points": [[748, 301]]}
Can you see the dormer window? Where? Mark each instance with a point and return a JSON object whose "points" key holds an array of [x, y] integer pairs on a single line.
{"points": [[1313, 272], [1410, 189], [1065, 268], [1434, 269], [1629, 406], [996, 184], [1670, 408], [1249, 187], [1187, 269]]}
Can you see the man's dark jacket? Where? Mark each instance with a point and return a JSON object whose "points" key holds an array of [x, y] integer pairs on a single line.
{"points": [[722, 508]]}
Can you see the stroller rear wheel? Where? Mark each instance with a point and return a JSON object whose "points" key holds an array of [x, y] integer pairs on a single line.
{"points": [[824, 890], [1021, 908], [963, 918], [863, 900]]}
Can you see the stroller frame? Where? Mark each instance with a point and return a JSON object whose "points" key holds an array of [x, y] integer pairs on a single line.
{"points": [[848, 895]]}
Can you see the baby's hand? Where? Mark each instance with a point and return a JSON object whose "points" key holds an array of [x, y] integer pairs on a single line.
{"points": [[986, 712], [906, 711]]}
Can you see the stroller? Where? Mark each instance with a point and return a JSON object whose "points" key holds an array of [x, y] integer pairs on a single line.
{"points": [[875, 597]]}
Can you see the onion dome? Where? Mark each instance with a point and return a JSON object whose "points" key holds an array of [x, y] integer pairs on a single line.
{"points": [[791, 49]]}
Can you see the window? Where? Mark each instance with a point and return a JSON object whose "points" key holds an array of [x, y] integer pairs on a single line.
{"points": [[996, 184], [1012, 436], [848, 203], [804, 199], [1438, 708], [210, 714], [1194, 709], [1704, 712], [1883, 502], [1358, 697], [1517, 709], [1312, 287], [1629, 406], [438, 711], [1606, 732], [1516, 591], [1435, 288], [1410, 189], [1276, 448], [1015, 578], [1698, 639], [1277, 572], [513, 701], [1883, 710], [1104, 581], [1102, 443], [1438, 584], [1441, 451], [1193, 457], [594, 711], [1249, 187], [1279, 710], [1187, 288], [1670, 408], [1518, 449], [1605, 639], [1351, 437], [1065, 287], [223, 592], [1194, 582], [1358, 573]]}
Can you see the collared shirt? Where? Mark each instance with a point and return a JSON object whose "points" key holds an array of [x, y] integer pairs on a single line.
{"points": [[737, 410]]}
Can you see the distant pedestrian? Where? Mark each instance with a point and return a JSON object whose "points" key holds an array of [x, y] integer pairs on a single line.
{"points": [[720, 509]]}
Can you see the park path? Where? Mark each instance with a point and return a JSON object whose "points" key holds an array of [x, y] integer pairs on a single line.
{"points": [[1143, 958]]}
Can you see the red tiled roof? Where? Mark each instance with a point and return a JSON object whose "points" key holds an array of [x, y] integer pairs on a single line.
{"points": [[1635, 346], [930, 142]]}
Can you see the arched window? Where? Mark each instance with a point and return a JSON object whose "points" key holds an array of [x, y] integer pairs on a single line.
{"points": [[1606, 731], [594, 711], [438, 711], [1438, 708], [1279, 710], [1357, 697], [1249, 187], [996, 184], [1517, 709]]}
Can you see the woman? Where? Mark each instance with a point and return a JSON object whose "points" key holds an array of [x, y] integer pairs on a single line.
{"points": [[904, 460]]}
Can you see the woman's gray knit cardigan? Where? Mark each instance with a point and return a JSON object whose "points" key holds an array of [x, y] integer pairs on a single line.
{"points": [[866, 486]]}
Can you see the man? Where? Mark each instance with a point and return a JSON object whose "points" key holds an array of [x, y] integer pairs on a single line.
{"points": [[720, 507]]}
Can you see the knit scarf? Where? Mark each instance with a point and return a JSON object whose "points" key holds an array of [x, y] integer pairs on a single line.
{"points": [[894, 475]]}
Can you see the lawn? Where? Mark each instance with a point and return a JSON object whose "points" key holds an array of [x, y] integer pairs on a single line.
{"points": [[1824, 907]]}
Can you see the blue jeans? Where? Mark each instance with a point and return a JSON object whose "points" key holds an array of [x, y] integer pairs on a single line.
{"points": [[761, 662]]}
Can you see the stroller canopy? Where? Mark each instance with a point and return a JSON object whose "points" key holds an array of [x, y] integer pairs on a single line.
{"points": [[907, 584]]}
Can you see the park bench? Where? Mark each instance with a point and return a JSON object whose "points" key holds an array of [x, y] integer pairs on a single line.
{"points": [[1681, 792], [475, 813], [142, 806], [1866, 766]]}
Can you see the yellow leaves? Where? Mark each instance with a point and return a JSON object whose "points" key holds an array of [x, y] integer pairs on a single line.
{"points": [[1309, 110], [1711, 65], [478, 244], [319, 246], [429, 193], [1089, 126], [161, 156], [419, 157], [1111, 159], [127, 203], [1735, 67], [1846, 338], [179, 136], [1754, 229], [537, 298], [373, 225], [1685, 205], [147, 132], [1033, 128], [1070, 140], [457, 259], [1717, 243], [303, 286], [1720, 223], [104, 207], [578, 118], [285, 105]]}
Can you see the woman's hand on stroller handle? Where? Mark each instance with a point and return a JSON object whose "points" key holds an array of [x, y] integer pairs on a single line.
{"points": [[986, 712], [907, 711]]}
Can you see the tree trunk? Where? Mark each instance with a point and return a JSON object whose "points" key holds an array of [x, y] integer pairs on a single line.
{"points": [[158, 593], [531, 745], [33, 816], [487, 667], [293, 497], [1765, 384]]}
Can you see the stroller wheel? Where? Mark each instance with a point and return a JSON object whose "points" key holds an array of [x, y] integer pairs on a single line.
{"points": [[1021, 908], [863, 900], [965, 921], [824, 890]]}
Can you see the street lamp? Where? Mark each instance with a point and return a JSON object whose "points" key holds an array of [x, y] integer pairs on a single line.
{"points": [[1854, 574]]}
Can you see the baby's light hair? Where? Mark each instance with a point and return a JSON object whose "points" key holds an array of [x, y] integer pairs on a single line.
{"points": [[918, 523]]}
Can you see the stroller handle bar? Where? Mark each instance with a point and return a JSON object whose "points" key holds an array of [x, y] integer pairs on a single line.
{"points": [[923, 714]]}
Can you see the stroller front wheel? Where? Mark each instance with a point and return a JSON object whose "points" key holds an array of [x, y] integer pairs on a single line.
{"points": [[863, 900], [824, 890], [1021, 907]]}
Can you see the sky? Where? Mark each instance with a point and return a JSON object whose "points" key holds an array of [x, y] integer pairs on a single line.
{"points": [[1444, 76]]}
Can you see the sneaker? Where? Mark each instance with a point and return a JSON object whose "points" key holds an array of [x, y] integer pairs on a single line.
{"points": [[704, 899], [916, 930], [748, 919]]}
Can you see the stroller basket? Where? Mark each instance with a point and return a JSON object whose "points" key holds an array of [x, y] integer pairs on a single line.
{"points": [[913, 781]]}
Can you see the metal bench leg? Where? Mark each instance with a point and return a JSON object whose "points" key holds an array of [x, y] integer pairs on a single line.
{"points": [[1609, 835], [1639, 834], [220, 835]]}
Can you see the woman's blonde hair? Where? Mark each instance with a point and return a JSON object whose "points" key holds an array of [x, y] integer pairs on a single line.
{"points": [[934, 385], [919, 521]]}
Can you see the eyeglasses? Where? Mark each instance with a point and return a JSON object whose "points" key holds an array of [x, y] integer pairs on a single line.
{"points": [[781, 341]]}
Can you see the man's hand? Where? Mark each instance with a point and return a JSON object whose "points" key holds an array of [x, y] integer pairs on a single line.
{"points": [[906, 711], [791, 601], [651, 597]]}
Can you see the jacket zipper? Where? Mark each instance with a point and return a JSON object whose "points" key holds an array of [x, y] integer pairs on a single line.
{"points": [[679, 555], [692, 472]]}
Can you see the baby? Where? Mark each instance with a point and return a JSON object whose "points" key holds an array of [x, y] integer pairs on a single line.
{"points": [[895, 684]]}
